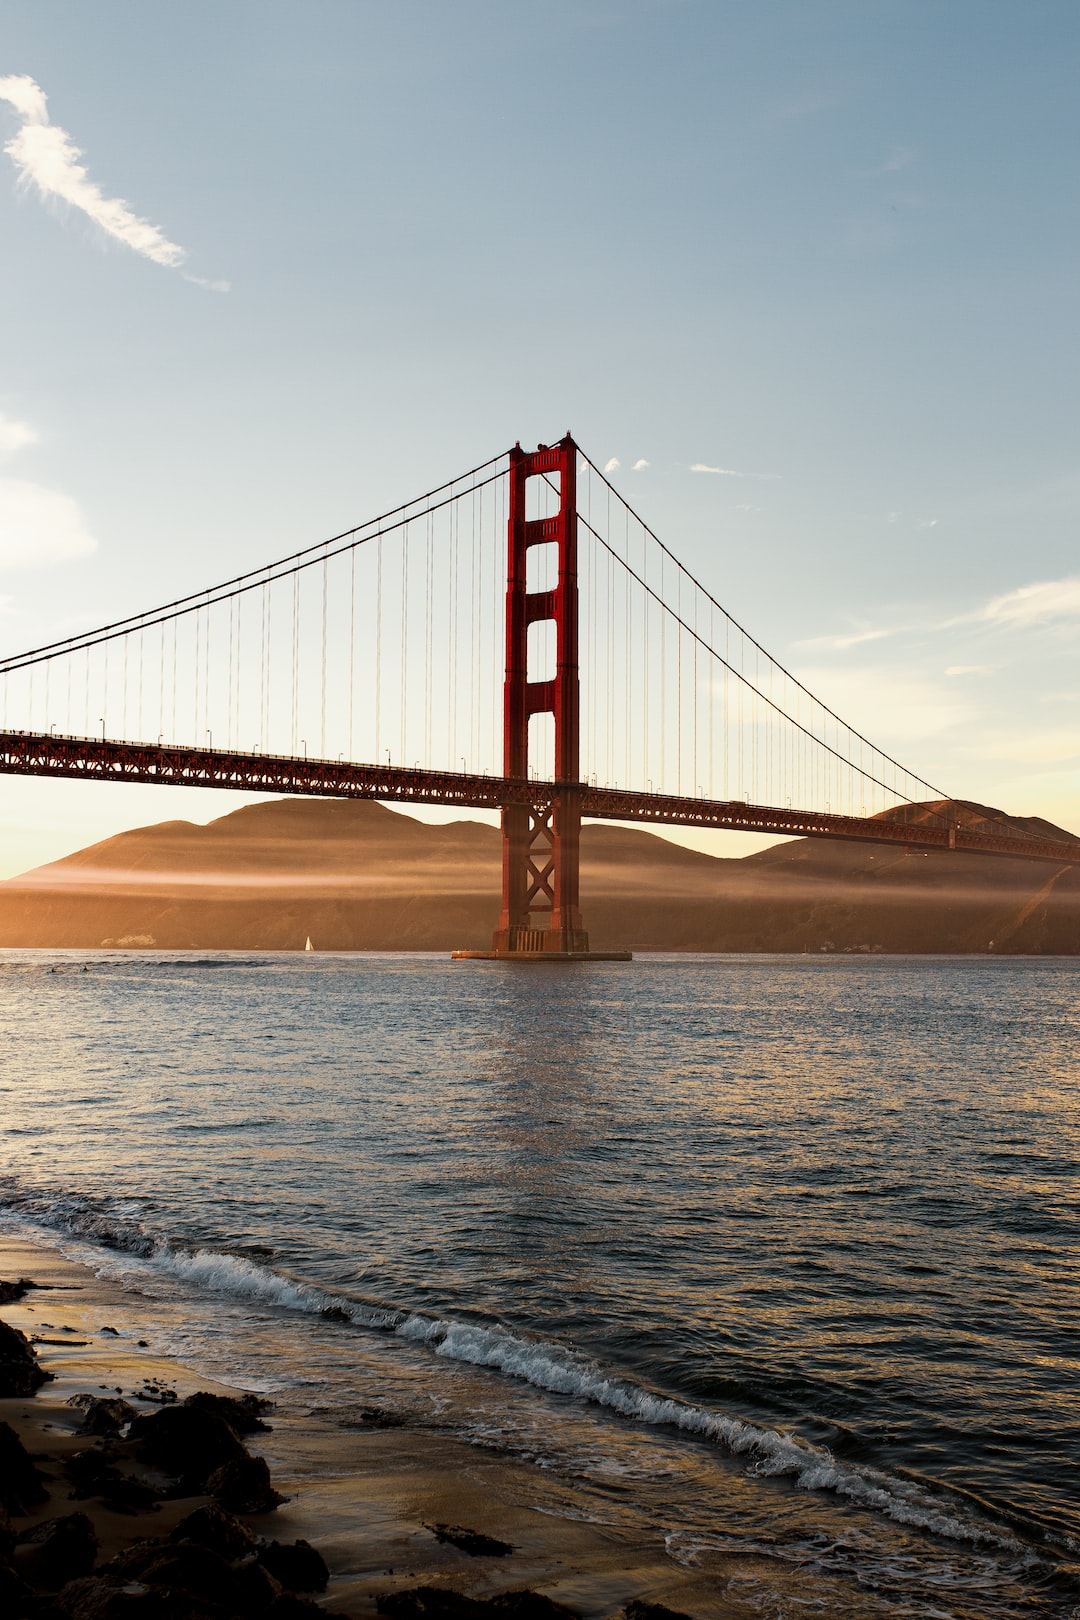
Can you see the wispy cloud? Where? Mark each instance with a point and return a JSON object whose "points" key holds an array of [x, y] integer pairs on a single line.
{"points": [[1036, 747], [890, 704], [900, 157], [639, 466], [38, 526], [613, 465], [15, 435], [970, 669], [211, 284], [1030, 605], [730, 472], [842, 643], [45, 156]]}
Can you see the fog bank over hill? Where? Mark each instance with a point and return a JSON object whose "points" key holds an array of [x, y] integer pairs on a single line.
{"points": [[355, 875]]}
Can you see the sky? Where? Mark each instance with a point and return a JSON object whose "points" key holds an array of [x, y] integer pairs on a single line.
{"points": [[270, 268]]}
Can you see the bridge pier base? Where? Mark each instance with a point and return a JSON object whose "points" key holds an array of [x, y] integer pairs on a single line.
{"points": [[541, 956]]}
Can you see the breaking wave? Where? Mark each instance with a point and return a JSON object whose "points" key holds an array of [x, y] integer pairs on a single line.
{"points": [[547, 1366]]}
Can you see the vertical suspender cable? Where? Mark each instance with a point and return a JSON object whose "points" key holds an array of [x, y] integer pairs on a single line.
{"points": [[404, 639], [206, 669], [378, 650], [322, 704], [428, 559], [295, 663], [352, 644]]}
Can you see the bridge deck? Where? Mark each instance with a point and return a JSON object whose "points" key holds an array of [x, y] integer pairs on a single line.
{"points": [[96, 759]]}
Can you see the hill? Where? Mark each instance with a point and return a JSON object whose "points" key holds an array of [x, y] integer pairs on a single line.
{"points": [[354, 875]]}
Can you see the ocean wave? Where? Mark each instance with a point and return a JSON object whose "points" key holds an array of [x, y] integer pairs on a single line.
{"points": [[118, 1228], [550, 1367], [115, 1225], [769, 1452], [212, 1126]]}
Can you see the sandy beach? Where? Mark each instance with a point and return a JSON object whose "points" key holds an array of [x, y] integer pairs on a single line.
{"points": [[364, 1497]]}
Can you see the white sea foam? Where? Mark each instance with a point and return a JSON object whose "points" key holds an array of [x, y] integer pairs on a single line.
{"points": [[232, 1274], [769, 1452], [241, 1278]]}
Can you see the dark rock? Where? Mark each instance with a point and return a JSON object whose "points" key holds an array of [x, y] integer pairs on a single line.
{"points": [[15, 1595], [127, 1566], [186, 1568], [186, 1442], [255, 1589], [290, 1607], [21, 1483], [93, 1598], [58, 1550], [175, 1574], [638, 1609], [299, 1567], [107, 1417], [88, 1470], [128, 1495], [11, 1291], [109, 1330], [381, 1417], [155, 1392], [472, 1542], [7, 1534], [19, 1371], [243, 1486], [202, 1575], [429, 1603], [241, 1415], [527, 1605], [212, 1527], [92, 1473]]}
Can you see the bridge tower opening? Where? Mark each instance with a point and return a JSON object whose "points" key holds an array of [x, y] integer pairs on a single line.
{"points": [[541, 918]]}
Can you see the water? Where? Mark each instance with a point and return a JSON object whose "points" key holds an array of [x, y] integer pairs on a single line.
{"points": [[776, 1255]]}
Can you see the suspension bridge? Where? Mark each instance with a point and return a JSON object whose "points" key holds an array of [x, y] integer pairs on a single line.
{"points": [[516, 640]]}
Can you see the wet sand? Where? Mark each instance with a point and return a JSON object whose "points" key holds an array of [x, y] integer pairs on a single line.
{"points": [[364, 1497]]}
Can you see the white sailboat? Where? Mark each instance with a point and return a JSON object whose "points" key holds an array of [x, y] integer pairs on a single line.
{"points": [[308, 946]]}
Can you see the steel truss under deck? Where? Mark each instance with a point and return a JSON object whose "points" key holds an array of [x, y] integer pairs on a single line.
{"points": [[92, 759]]}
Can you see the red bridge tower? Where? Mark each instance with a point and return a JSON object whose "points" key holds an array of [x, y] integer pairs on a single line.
{"points": [[541, 912]]}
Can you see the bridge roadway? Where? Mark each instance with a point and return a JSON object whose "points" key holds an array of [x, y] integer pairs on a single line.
{"points": [[96, 759]]}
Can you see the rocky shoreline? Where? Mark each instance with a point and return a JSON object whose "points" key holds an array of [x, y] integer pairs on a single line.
{"points": [[210, 1565], [131, 1491]]}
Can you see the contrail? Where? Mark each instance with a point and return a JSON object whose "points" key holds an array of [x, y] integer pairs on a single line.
{"points": [[45, 156]]}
